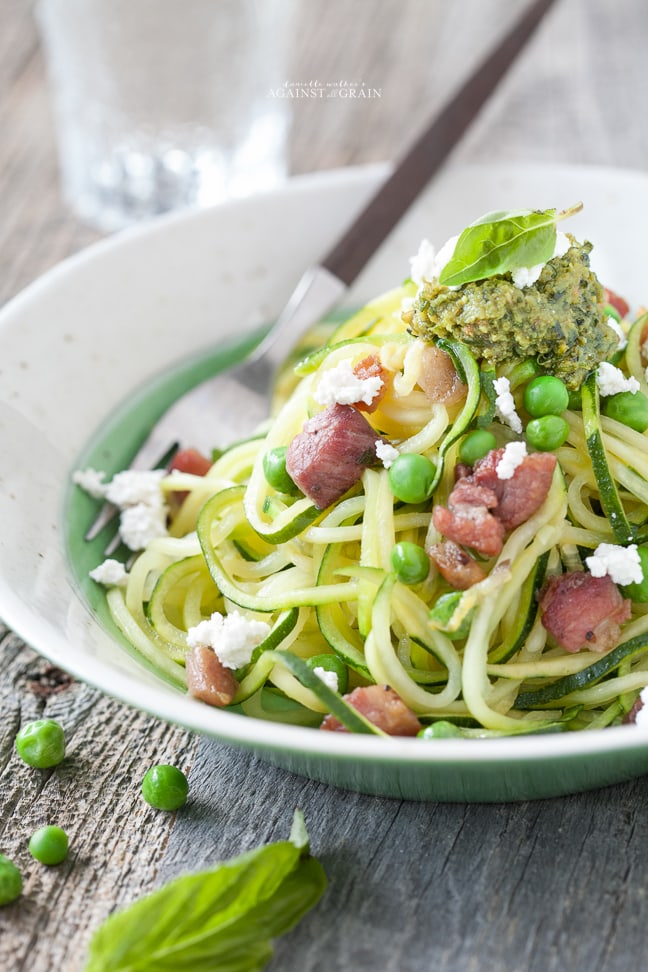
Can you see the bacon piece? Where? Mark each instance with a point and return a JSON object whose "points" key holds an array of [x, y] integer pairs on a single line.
{"points": [[455, 565], [382, 706], [630, 717], [330, 454], [371, 367], [461, 471], [208, 679], [187, 461], [615, 301], [439, 378], [582, 611], [468, 519], [524, 493], [190, 461], [482, 507]]}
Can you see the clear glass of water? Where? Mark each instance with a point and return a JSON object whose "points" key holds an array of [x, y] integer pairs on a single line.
{"points": [[166, 104]]}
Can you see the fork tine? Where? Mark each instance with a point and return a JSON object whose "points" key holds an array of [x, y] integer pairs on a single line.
{"points": [[106, 515]]}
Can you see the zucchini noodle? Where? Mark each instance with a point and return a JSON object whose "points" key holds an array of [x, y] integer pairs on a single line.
{"points": [[326, 580]]}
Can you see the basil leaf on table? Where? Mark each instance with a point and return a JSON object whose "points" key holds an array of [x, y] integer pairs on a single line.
{"points": [[503, 241], [223, 918]]}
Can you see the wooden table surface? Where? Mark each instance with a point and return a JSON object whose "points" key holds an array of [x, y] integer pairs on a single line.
{"points": [[541, 886]]}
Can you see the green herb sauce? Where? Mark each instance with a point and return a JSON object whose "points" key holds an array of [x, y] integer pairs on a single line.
{"points": [[560, 319]]}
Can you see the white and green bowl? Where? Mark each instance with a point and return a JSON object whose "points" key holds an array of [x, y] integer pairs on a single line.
{"points": [[92, 352]]}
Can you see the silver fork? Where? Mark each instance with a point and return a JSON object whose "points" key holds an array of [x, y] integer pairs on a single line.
{"points": [[248, 386]]}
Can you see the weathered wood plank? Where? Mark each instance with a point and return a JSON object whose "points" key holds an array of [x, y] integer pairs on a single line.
{"points": [[116, 840], [528, 887]]}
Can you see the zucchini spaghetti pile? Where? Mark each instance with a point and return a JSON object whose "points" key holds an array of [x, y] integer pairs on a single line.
{"points": [[442, 531]]}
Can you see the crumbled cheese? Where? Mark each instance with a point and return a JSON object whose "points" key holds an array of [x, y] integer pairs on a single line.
{"points": [[422, 264], [111, 573], [641, 718], [514, 455], [444, 255], [91, 481], [525, 276], [232, 637], [618, 330], [134, 486], [142, 523], [329, 678], [139, 497], [611, 380], [428, 263], [342, 386], [622, 564], [386, 452], [563, 243], [505, 404]]}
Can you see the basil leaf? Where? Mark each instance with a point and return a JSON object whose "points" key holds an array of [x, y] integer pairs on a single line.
{"points": [[223, 918], [503, 241]]}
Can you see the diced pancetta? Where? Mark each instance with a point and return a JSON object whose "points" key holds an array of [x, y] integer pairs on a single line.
{"points": [[582, 611], [630, 717], [439, 378], [330, 454], [482, 507], [381, 706], [186, 461], [208, 679], [456, 565], [468, 519], [620, 305], [371, 367], [190, 461], [524, 493]]}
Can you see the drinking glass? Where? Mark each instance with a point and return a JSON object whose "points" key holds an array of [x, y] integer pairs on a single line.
{"points": [[163, 104]]}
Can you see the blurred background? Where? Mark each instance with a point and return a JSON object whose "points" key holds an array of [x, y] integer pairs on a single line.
{"points": [[577, 94]]}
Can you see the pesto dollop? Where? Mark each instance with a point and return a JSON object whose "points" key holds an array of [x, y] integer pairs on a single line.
{"points": [[559, 320]]}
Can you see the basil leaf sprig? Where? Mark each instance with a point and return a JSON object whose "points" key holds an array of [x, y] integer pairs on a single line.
{"points": [[222, 918], [503, 241]]}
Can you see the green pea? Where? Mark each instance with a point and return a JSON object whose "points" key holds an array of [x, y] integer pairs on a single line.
{"points": [[411, 476], [410, 562], [441, 615], [41, 743], [639, 590], [332, 663], [165, 787], [547, 433], [49, 845], [442, 612], [275, 472], [440, 730], [476, 445], [10, 881], [630, 408], [546, 395]]}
